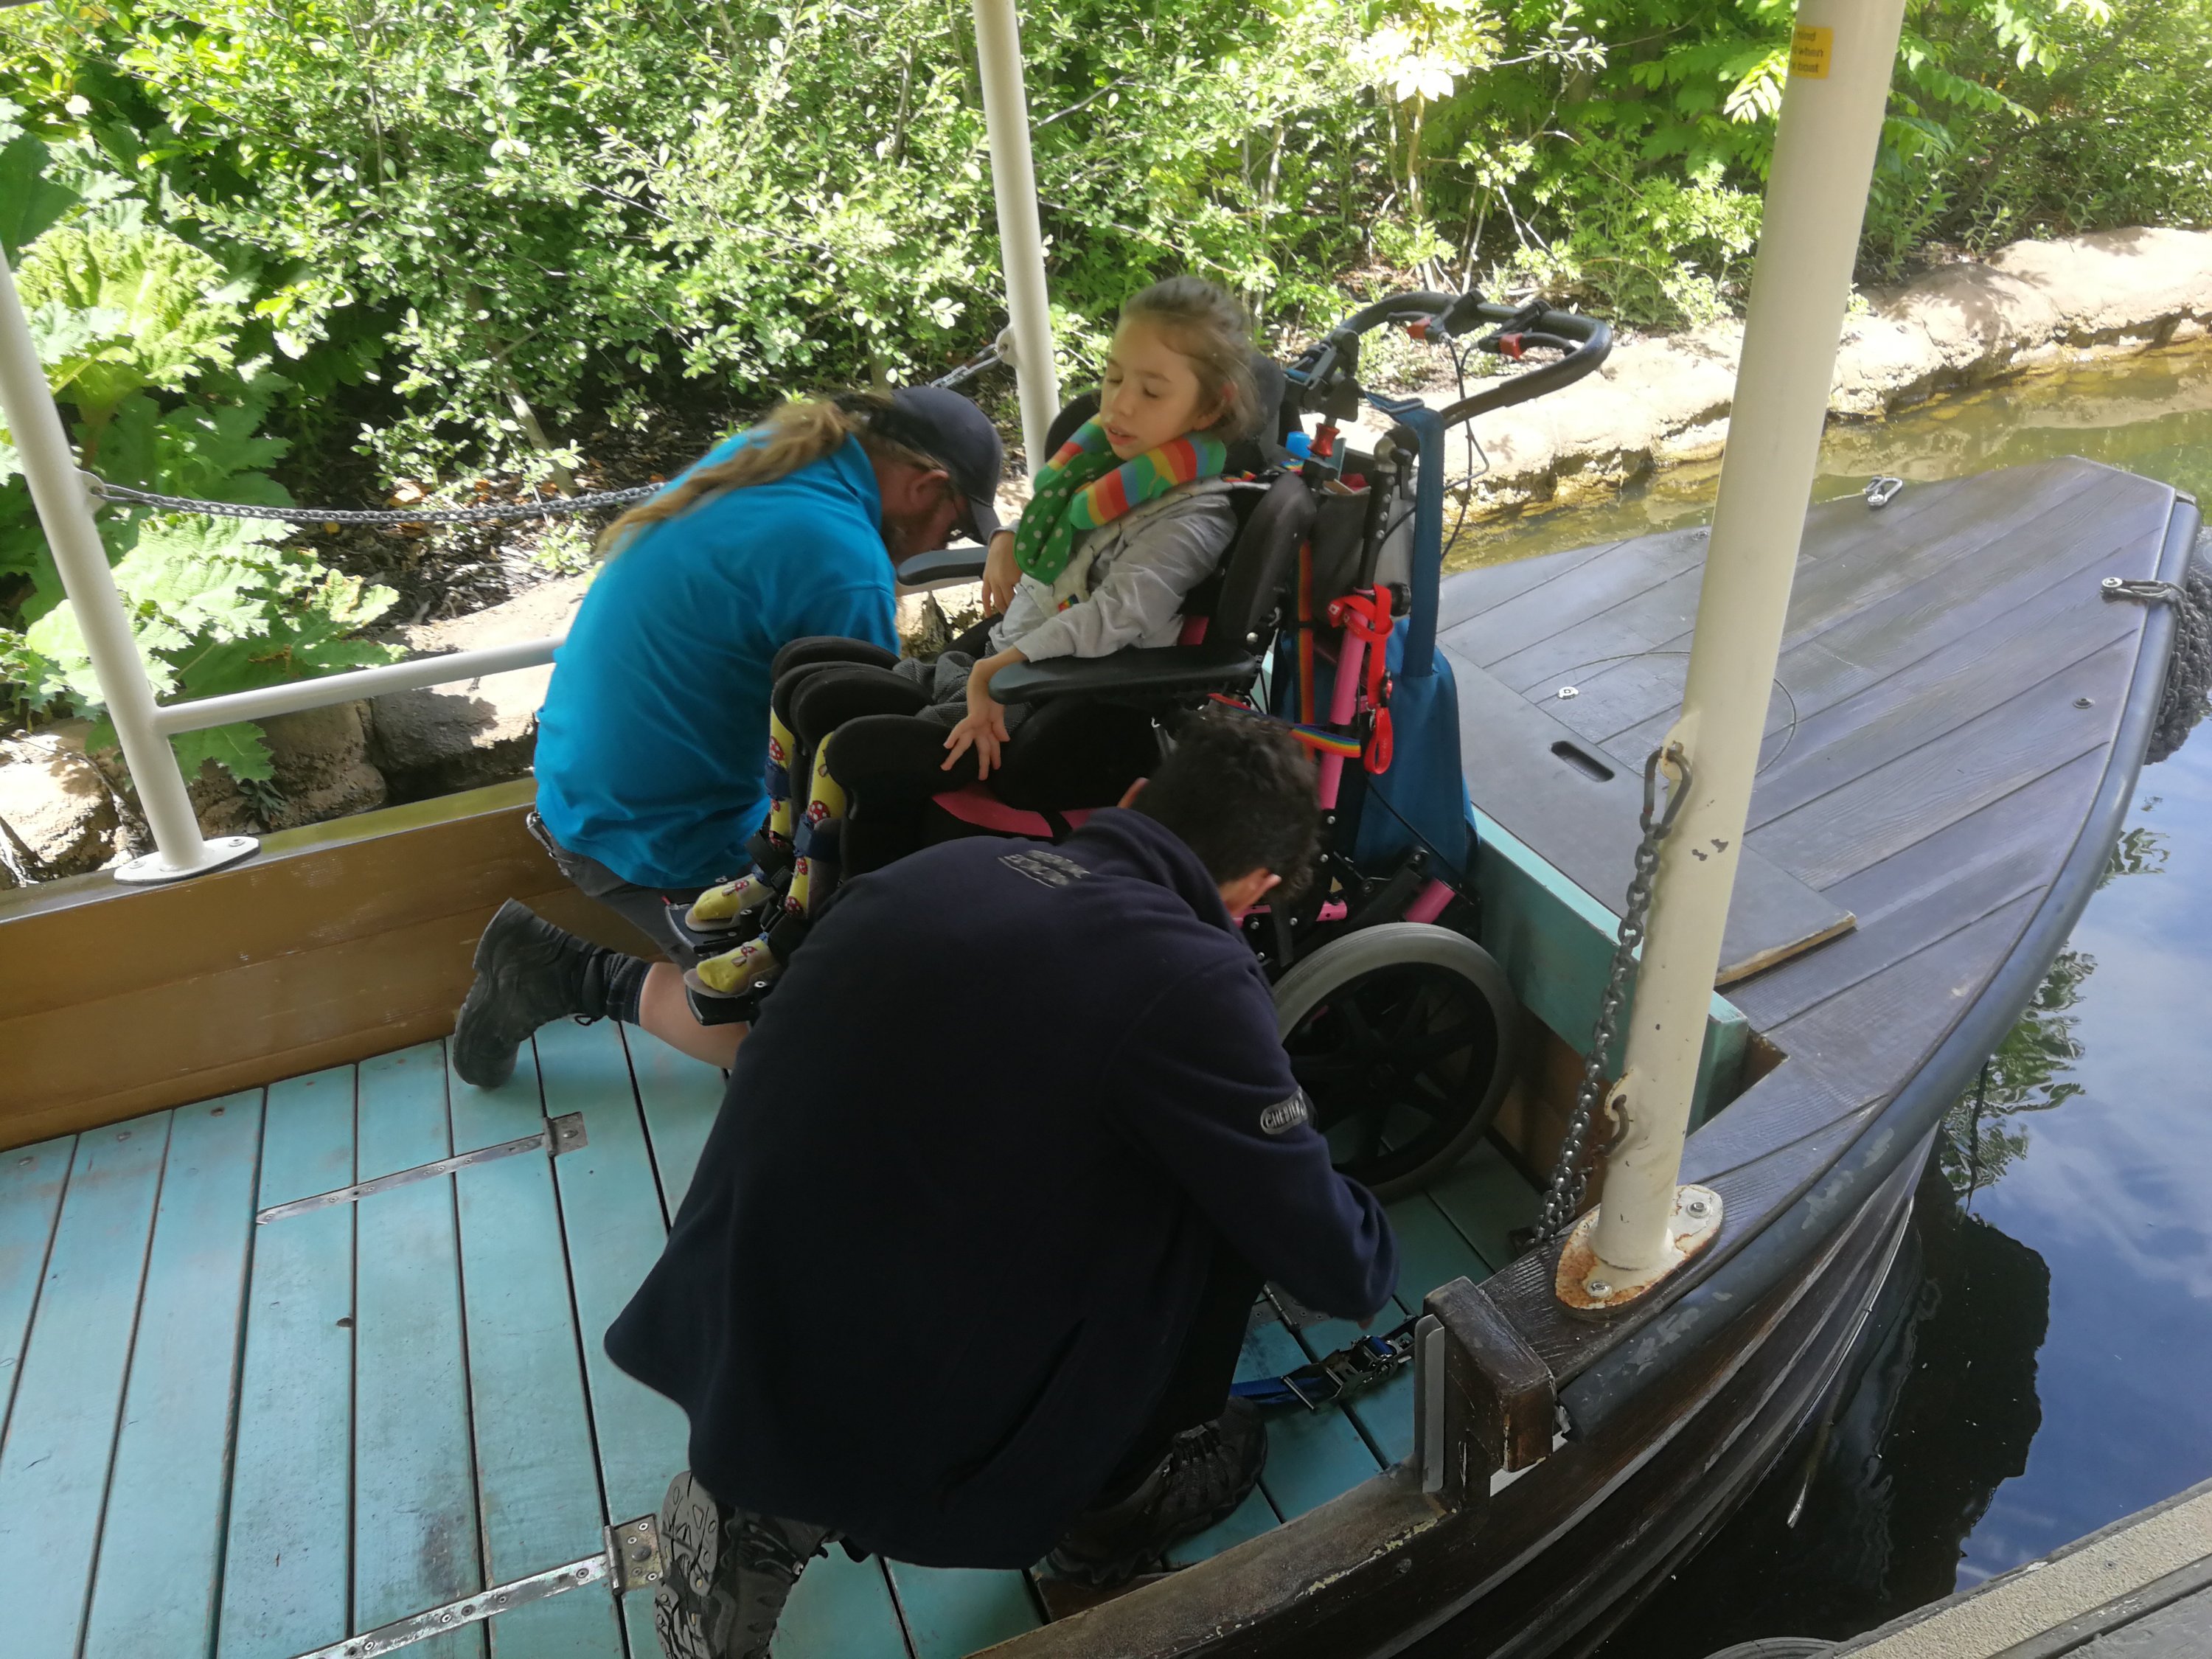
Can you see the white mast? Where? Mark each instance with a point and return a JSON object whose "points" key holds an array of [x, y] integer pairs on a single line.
{"points": [[1832, 115], [1021, 243]]}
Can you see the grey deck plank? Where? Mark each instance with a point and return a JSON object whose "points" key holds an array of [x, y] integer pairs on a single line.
{"points": [[1934, 695], [1586, 827], [287, 1557], [1831, 576], [1845, 635], [31, 1183], [1889, 1022], [537, 1485], [1529, 618], [1865, 818], [61, 1431], [415, 1525], [160, 1545], [1468, 592], [1915, 895]]}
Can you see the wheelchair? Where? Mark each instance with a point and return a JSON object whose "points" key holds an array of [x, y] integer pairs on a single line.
{"points": [[1402, 1030]]}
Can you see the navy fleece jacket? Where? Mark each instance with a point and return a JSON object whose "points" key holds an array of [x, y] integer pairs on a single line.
{"points": [[949, 1230]]}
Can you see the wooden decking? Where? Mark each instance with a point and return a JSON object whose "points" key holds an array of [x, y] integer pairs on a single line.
{"points": [[1950, 686], [241, 1441]]}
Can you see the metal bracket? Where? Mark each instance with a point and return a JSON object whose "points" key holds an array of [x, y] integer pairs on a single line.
{"points": [[1429, 1402], [631, 1560], [560, 1134]]}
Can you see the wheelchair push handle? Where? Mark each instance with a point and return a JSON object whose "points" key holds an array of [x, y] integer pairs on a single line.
{"points": [[1439, 318]]}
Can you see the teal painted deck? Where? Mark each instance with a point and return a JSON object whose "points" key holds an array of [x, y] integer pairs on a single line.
{"points": [[242, 1443]]}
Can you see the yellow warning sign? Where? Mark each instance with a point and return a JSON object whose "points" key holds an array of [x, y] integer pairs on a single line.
{"points": [[1810, 47]]}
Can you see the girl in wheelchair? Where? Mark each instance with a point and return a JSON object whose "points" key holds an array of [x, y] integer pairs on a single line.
{"points": [[1128, 516]]}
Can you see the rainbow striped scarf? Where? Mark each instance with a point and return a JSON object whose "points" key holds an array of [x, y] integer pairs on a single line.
{"points": [[1085, 486]]}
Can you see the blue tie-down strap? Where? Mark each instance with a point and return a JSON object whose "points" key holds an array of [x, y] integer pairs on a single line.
{"points": [[1328, 1379]]}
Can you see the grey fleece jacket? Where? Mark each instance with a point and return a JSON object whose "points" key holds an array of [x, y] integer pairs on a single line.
{"points": [[1132, 577]]}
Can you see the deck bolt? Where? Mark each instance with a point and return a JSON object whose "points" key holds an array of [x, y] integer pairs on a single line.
{"points": [[1598, 1287], [2085, 702], [1566, 692], [1695, 1206]]}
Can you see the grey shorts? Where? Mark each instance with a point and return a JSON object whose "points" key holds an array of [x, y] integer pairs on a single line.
{"points": [[645, 909]]}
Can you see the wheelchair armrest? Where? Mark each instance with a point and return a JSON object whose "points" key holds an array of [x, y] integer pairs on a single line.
{"points": [[1165, 671], [945, 565]]}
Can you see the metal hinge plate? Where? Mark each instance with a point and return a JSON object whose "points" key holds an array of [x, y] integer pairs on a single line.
{"points": [[560, 1134], [631, 1560]]}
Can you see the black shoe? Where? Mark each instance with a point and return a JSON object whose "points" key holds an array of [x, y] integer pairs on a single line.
{"points": [[528, 972], [725, 1575], [1206, 1474]]}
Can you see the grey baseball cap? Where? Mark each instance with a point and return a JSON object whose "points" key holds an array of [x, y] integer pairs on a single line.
{"points": [[950, 430]]}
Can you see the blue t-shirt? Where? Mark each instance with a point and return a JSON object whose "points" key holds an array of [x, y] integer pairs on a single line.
{"points": [[653, 744]]}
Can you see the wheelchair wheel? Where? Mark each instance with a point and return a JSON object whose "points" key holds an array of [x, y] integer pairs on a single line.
{"points": [[1402, 1036]]}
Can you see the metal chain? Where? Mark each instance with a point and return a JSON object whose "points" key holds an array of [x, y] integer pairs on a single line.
{"points": [[124, 496], [119, 494], [1564, 1197]]}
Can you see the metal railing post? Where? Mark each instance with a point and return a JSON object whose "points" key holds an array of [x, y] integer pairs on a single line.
{"points": [[65, 513], [1843, 52], [1021, 239]]}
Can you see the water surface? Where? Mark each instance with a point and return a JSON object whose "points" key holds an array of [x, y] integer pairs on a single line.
{"points": [[2040, 1364]]}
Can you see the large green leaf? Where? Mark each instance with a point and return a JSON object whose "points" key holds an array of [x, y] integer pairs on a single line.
{"points": [[125, 311], [29, 201]]}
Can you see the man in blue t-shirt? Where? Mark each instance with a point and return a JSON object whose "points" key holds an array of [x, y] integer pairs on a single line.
{"points": [[652, 745]]}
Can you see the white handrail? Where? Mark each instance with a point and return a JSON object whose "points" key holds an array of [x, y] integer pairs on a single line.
{"points": [[294, 696], [65, 513]]}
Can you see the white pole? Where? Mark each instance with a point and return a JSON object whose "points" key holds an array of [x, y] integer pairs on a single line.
{"points": [[1824, 150], [1021, 242], [65, 514]]}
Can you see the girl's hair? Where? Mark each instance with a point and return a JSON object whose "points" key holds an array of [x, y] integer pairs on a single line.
{"points": [[788, 437], [1206, 324]]}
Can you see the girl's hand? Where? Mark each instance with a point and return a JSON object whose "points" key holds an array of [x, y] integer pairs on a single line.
{"points": [[985, 731], [984, 727], [1000, 574]]}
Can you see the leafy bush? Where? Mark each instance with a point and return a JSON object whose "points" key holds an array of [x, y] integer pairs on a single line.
{"points": [[139, 331], [468, 226]]}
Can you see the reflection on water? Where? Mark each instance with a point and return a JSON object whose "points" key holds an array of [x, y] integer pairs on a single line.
{"points": [[2151, 415], [2036, 1370], [1866, 1516]]}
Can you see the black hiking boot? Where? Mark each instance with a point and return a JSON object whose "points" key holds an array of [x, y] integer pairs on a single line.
{"points": [[1206, 1474], [528, 972], [726, 1574]]}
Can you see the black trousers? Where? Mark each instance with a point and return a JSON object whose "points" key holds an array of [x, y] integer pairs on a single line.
{"points": [[1198, 1388]]}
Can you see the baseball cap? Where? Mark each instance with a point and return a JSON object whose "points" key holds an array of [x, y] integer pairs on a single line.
{"points": [[951, 431]]}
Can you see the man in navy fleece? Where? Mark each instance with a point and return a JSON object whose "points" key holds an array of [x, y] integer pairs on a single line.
{"points": [[964, 1270]]}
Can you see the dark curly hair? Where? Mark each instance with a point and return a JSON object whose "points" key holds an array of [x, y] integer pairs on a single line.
{"points": [[1239, 790]]}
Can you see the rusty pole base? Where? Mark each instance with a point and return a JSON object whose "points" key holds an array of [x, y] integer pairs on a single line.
{"points": [[1592, 1288]]}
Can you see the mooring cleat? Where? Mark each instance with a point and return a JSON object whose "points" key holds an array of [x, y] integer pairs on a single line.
{"points": [[722, 908]]}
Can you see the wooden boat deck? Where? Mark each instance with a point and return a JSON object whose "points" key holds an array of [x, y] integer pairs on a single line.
{"points": [[246, 1440], [1949, 691]]}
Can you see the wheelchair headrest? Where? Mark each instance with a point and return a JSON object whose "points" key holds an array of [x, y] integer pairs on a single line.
{"points": [[1247, 455]]}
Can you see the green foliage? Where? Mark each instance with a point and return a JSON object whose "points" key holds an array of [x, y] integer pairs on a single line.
{"points": [[214, 609], [116, 310], [138, 331], [469, 226]]}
